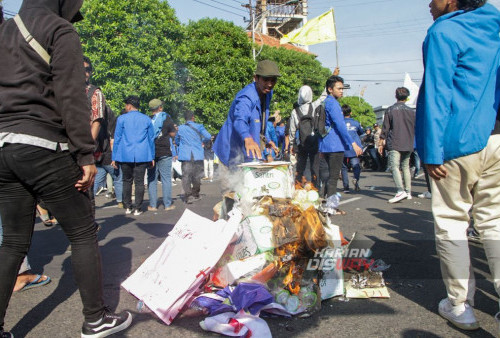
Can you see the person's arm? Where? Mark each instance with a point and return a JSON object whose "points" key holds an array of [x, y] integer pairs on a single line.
{"points": [[242, 113], [97, 113], [68, 79], [293, 128], [386, 125], [438, 79], [206, 135], [337, 118]]}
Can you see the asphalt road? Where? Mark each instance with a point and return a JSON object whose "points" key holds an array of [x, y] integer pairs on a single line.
{"points": [[402, 234]]}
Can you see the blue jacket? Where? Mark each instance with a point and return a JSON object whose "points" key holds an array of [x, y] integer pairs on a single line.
{"points": [[189, 141], [338, 138], [134, 138], [280, 132], [459, 96], [244, 120], [355, 130]]}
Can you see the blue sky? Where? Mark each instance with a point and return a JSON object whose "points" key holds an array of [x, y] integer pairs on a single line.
{"points": [[378, 40]]}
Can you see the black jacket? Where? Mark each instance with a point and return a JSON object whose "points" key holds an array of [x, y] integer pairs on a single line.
{"points": [[162, 142], [41, 100], [399, 127]]}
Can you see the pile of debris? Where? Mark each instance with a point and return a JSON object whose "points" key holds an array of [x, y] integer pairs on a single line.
{"points": [[272, 250]]}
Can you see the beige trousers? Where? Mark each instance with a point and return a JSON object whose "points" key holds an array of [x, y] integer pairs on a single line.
{"points": [[472, 184]]}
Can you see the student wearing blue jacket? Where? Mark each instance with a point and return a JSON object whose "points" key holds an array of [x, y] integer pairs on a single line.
{"points": [[239, 139], [333, 145], [134, 150], [350, 158], [458, 139], [189, 138]]}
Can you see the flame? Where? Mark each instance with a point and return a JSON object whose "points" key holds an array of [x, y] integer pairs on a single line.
{"points": [[304, 184], [312, 230]]}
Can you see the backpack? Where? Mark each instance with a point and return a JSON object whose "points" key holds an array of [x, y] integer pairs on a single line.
{"points": [[320, 121], [106, 131], [306, 127]]}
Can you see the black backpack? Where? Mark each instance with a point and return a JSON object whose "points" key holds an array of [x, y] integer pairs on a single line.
{"points": [[306, 127], [107, 129], [320, 120]]}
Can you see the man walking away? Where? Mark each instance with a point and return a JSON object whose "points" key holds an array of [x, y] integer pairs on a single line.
{"points": [[134, 150], [333, 145], [164, 130], [458, 139], [398, 135], [46, 151], [350, 158], [190, 137]]}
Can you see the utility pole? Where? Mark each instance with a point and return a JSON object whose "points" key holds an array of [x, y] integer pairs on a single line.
{"points": [[252, 21]]}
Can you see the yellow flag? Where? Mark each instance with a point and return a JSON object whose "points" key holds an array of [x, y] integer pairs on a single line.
{"points": [[318, 30]]}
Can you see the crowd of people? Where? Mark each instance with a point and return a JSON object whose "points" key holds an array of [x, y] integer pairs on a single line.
{"points": [[59, 140]]}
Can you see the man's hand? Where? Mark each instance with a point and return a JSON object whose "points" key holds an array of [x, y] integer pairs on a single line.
{"points": [[273, 146], [114, 165], [436, 171], [252, 148], [381, 150], [89, 172], [152, 164], [336, 71], [357, 149]]}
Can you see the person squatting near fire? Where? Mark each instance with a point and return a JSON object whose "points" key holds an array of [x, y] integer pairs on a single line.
{"points": [[46, 151], [242, 137], [337, 140], [458, 139]]}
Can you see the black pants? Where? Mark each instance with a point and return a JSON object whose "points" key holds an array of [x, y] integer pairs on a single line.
{"points": [[133, 172], [26, 174], [312, 154], [334, 162], [192, 172]]}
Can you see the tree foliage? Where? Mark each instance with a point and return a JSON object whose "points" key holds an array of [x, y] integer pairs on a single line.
{"points": [[362, 111], [217, 57], [132, 45]]}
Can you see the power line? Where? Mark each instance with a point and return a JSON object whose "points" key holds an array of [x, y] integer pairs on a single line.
{"points": [[224, 4], [221, 9], [390, 73], [380, 63], [384, 80]]}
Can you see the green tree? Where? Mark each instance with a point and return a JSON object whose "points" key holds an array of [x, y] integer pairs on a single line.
{"points": [[217, 64], [132, 45], [362, 111]]}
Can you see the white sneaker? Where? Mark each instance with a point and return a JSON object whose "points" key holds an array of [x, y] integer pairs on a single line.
{"points": [[426, 194], [408, 196], [399, 197], [128, 211], [462, 316], [137, 212]]}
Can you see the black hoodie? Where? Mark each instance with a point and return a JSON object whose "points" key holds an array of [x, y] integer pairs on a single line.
{"points": [[45, 101]]}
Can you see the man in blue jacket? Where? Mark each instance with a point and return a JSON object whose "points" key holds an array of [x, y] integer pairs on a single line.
{"points": [[240, 137], [189, 138], [458, 139], [333, 145], [134, 150], [350, 158]]}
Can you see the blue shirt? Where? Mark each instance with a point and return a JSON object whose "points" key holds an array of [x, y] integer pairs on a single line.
{"points": [[134, 138], [157, 122], [355, 130], [460, 92], [244, 120], [189, 141], [337, 139]]}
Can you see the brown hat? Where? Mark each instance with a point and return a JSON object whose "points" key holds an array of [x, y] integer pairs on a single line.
{"points": [[267, 68], [155, 103]]}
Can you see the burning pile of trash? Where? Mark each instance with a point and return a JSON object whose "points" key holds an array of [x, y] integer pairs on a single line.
{"points": [[272, 249]]}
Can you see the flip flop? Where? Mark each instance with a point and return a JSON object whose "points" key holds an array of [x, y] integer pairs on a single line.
{"points": [[36, 283]]}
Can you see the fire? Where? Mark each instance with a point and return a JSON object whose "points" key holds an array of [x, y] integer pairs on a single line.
{"points": [[304, 184]]}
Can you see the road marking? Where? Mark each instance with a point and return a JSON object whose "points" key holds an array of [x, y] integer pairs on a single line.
{"points": [[350, 200]]}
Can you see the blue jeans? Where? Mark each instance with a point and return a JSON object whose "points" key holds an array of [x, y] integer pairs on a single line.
{"points": [[356, 168], [163, 169], [116, 174]]}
